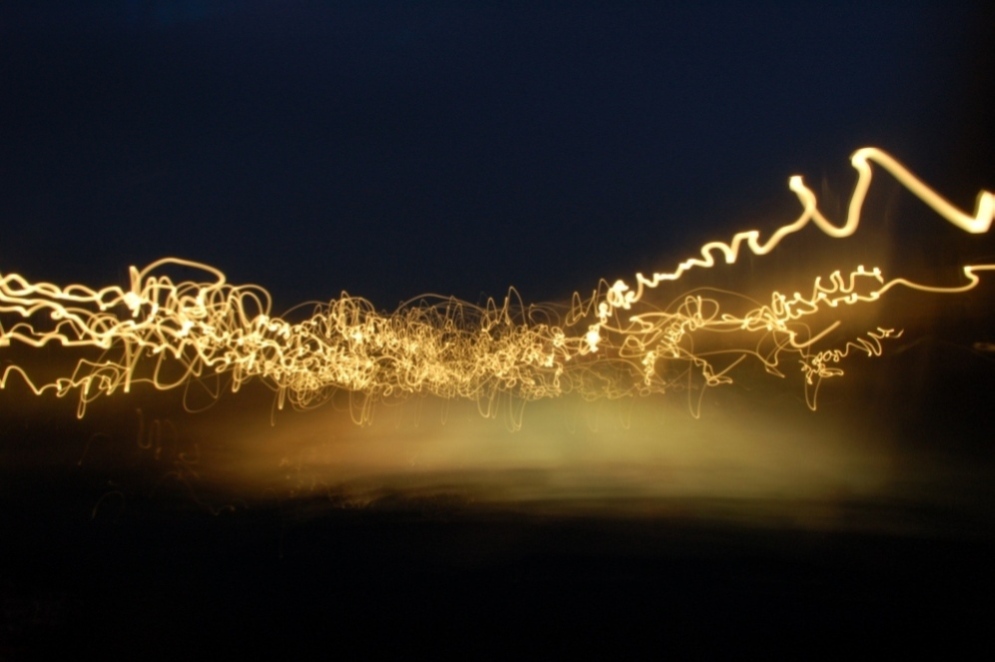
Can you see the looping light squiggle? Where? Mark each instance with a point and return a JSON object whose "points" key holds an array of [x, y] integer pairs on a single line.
{"points": [[168, 334]]}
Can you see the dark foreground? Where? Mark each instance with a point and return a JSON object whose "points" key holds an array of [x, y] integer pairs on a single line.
{"points": [[128, 560], [155, 582]]}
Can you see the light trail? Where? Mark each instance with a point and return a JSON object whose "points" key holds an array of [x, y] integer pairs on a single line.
{"points": [[167, 334]]}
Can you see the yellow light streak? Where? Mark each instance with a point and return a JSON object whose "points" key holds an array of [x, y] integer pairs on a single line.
{"points": [[168, 334]]}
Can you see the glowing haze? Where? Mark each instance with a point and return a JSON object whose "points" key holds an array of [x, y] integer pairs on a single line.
{"points": [[613, 342]]}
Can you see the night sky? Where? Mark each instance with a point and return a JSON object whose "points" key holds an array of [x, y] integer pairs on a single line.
{"points": [[390, 149], [394, 148]]}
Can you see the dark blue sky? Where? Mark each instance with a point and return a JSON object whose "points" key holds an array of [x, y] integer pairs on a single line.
{"points": [[393, 148]]}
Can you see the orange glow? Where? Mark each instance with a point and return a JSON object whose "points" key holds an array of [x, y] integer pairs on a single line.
{"points": [[168, 334]]}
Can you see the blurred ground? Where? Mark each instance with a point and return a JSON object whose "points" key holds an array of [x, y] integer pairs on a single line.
{"points": [[605, 526]]}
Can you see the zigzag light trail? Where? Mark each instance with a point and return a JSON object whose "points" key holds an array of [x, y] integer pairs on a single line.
{"points": [[166, 334]]}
